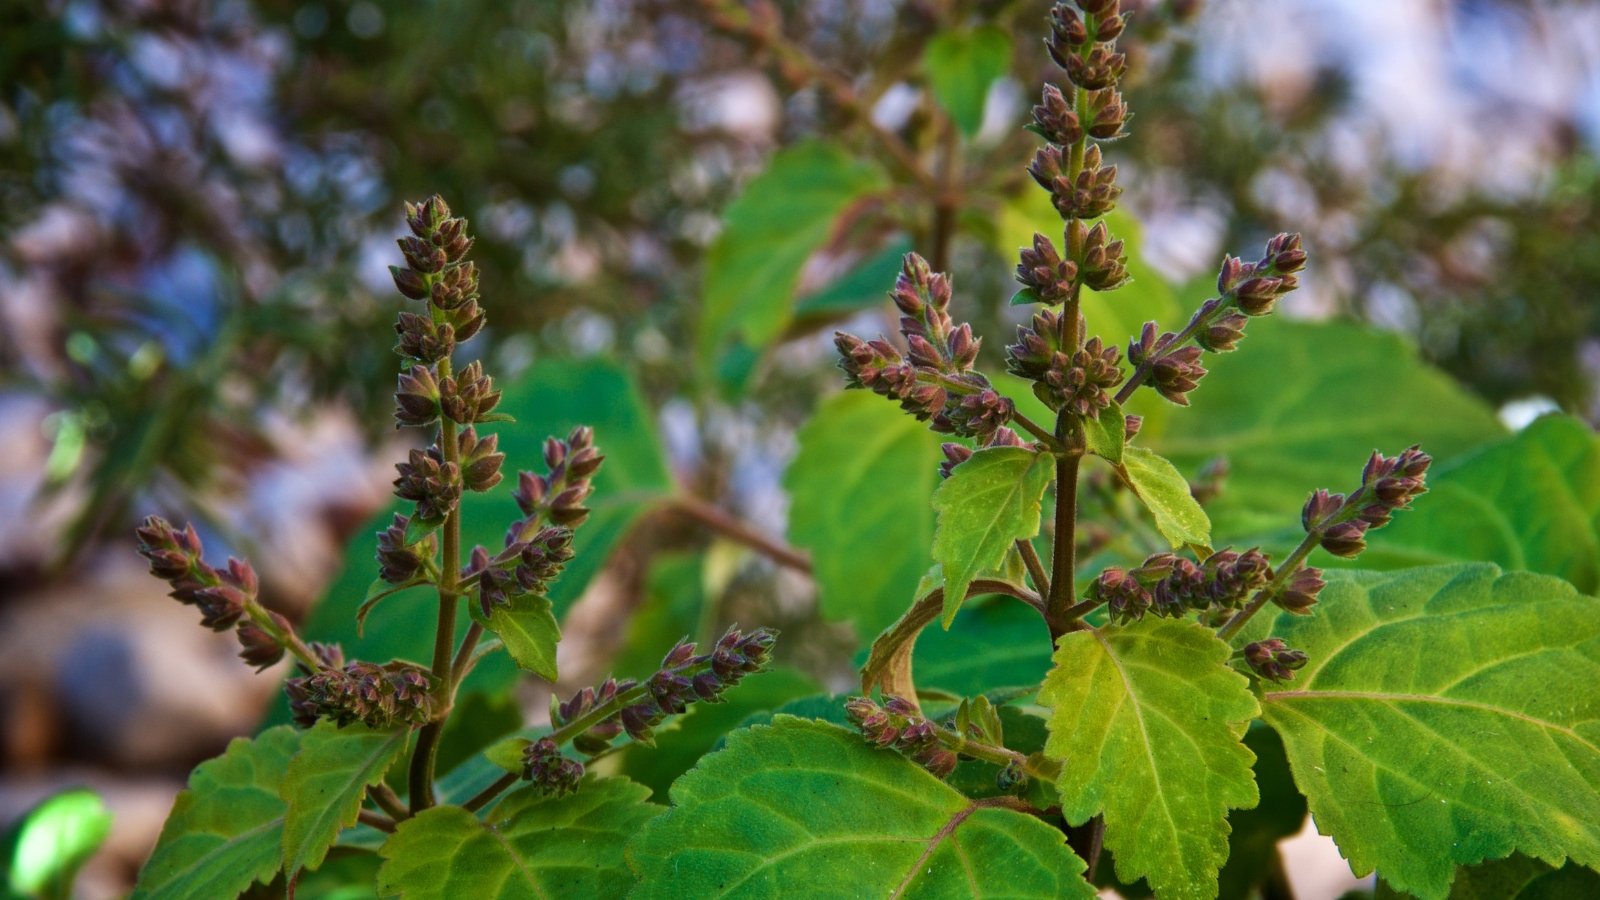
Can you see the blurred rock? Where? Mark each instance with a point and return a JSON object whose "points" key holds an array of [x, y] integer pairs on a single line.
{"points": [[109, 670]]}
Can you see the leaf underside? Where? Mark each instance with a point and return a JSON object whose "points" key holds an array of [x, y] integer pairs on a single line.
{"points": [[804, 806], [1147, 721], [1448, 716], [530, 633]]}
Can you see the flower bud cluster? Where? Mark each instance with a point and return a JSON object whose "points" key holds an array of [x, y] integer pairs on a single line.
{"points": [[429, 480], [552, 773], [558, 495], [1171, 586], [226, 598], [684, 678], [934, 379], [1273, 659], [1078, 380], [527, 567], [376, 696], [398, 563], [1175, 368], [1388, 484], [438, 273], [899, 725], [1092, 192]]}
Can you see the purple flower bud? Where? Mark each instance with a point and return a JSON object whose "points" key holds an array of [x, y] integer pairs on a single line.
{"points": [[1273, 659], [1300, 594], [1345, 539], [1319, 509]]}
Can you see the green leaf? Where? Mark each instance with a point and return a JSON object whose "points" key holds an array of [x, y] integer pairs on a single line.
{"points": [[806, 803], [528, 629], [325, 784], [1447, 716], [1158, 484], [1515, 878], [705, 724], [1531, 502], [1106, 435], [225, 831], [863, 287], [783, 216], [987, 503], [961, 65], [1000, 643], [888, 664], [53, 840], [1353, 390], [378, 591], [550, 399], [859, 489], [1146, 721], [530, 846]]}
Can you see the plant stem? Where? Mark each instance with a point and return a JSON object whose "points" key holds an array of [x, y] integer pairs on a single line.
{"points": [[385, 797], [1063, 562], [444, 636], [1030, 558], [1035, 429], [458, 668], [561, 735], [380, 822], [1285, 572], [736, 530]]}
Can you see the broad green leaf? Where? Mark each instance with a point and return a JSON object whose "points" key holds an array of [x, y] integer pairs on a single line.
{"points": [[1165, 493], [803, 803], [528, 629], [225, 831], [1106, 435], [705, 724], [961, 65], [1448, 716], [783, 216], [1531, 502], [1146, 721], [863, 287], [325, 784], [987, 503], [554, 396], [530, 846], [1300, 406], [1515, 878], [859, 489], [53, 840]]}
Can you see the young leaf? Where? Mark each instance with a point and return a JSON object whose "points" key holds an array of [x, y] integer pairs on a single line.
{"points": [[859, 487], [530, 846], [744, 824], [988, 503], [325, 784], [1165, 493], [1531, 502], [1447, 716], [1106, 435], [1146, 720], [961, 65], [52, 841], [528, 629], [226, 830], [784, 215], [418, 528]]}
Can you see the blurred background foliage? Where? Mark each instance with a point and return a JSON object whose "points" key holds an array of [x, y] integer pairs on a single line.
{"points": [[198, 201]]}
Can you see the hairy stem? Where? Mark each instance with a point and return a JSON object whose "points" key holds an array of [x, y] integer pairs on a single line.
{"points": [[1285, 571], [463, 658], [381, 822], [741, 532], [1063, 563], [1030, 558]]}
